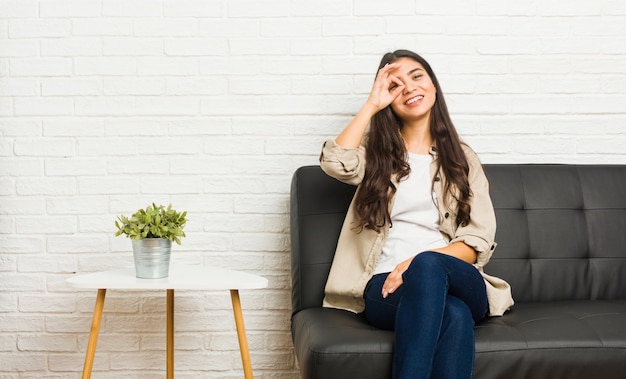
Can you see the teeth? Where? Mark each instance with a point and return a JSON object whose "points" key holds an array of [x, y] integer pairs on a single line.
{"points": [[415, 99]]}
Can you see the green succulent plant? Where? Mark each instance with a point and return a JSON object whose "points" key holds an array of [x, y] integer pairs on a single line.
{"points": [[153, 222]]}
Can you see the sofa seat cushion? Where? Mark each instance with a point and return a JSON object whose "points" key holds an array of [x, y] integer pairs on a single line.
{"points": [[569, 339], [331, 342]]}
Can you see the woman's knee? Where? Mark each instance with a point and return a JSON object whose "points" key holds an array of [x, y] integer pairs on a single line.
{"points": [[424, 264], [425, 272], [426, 261]]}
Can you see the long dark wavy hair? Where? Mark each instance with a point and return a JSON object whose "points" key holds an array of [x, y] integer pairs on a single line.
{"points": [[386, 156]]}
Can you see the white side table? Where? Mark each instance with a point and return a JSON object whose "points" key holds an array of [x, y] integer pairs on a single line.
{"points": [[181, 277]]}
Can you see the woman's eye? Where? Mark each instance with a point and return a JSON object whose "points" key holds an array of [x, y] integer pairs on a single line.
{"points": [[393, 86], [417, 77]]}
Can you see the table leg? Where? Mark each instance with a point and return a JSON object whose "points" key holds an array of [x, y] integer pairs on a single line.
{"points": [[170, 334], [93, 334], [241, 334]]}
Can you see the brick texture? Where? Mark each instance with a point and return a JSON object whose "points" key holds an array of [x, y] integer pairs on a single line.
{"points": [[109, 105]]}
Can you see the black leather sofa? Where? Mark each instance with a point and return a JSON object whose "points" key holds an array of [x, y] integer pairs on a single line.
{"points": [[561, 245]]}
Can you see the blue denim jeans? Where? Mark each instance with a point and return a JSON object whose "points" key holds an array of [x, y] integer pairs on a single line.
{"points": [[432, 315]]}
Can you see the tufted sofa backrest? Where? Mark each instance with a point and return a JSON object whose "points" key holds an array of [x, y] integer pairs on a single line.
{"points": [[561, 231]]}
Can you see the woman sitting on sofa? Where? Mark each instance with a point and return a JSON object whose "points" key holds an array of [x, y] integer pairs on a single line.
{"points": [[420, 227]]}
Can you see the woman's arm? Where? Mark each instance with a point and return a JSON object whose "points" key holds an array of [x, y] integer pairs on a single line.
{"points": [[344, 157], [459, 250], [352, 134], [456, 249], [480, 233], [380, 97]]}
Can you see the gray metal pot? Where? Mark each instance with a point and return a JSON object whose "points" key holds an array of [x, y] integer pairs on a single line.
{"points": [[152, 257]]}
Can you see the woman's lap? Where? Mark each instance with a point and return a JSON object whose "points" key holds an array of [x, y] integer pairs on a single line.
{"points": [[464, 282]]}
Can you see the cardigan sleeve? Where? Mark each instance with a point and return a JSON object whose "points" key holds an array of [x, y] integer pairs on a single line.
{"points": [[481, 230], [344, 164]]}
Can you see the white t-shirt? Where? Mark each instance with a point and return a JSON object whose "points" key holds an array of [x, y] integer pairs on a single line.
{"points": [[414, 217]]}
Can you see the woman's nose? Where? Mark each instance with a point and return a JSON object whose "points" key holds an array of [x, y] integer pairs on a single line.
{"points": [[408, 88]]}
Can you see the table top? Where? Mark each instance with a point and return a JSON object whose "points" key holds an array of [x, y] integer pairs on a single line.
{"points": [[181, 277]]}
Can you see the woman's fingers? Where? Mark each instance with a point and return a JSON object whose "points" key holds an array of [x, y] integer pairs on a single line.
{"points": [[389, 67], [385, 78], [395, 87], [394, 279], [393, 282], [386, 87]]}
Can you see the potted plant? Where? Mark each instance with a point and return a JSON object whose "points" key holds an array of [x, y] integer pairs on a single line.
{"points": [[152, 231]]}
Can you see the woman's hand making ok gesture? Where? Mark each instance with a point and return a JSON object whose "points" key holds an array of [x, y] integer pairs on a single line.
{"points": [[386, 87]]}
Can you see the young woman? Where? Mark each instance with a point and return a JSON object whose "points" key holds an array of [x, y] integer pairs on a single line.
{"points": [[420, 227]]}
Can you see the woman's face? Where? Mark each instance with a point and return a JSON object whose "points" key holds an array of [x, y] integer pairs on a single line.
{"points": [[418, 96]]}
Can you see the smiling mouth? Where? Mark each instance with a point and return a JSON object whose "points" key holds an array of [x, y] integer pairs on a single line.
{"points": [[414, 100]]}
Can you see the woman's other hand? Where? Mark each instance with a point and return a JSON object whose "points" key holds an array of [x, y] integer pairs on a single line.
{"points": [[458, 249], [394, 279]]}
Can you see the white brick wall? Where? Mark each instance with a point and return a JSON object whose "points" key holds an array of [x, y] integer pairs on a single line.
{"points": [[108, 105]]}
